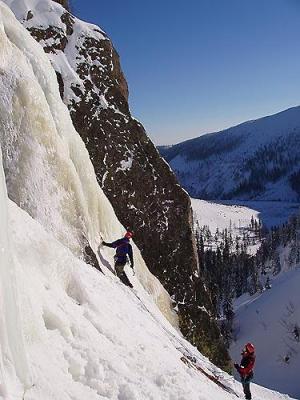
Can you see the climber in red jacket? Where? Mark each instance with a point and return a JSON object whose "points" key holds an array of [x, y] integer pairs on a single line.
{"points": [[245, 369]]}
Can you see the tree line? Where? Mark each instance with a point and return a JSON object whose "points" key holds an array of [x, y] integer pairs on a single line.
{"points": [[230, 269]]}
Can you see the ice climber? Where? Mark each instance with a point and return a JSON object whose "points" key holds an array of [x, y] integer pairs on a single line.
{"points": [[245, 369], [123, 252]]}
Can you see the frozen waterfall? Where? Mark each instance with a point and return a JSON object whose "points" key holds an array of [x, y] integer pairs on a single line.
{"points": [[13, 358], [47, 167]]}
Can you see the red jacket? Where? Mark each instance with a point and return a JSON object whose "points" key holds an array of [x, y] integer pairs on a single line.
{"points": [[247, 364]]}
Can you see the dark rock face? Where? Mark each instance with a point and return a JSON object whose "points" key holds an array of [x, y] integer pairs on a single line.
{"points": [[140, 185]]}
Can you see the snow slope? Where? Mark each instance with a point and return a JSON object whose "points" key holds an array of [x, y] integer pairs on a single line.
{"points": [[268, 321], [93, 337]]}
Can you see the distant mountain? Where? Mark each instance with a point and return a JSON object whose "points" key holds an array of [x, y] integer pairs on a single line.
{"points": [[258, 159]]}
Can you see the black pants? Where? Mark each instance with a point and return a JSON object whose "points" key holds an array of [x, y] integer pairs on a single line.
{"points": [[119, 267], [246, 386]]}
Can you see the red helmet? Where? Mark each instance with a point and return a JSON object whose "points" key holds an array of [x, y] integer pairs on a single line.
{"points": [[128, 234], [249, 347]]}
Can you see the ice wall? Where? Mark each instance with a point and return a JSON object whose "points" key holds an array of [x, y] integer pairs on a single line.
{"points": [[13, 358], [47, 167]]}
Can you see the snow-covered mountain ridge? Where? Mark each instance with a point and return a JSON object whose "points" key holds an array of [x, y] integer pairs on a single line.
{"points": [[258, 159]]}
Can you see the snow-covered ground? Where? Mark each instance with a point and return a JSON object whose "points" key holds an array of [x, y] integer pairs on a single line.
{"points": [[232, 217], [237, 214], [218, 217], [268, 321], [92, 337]]}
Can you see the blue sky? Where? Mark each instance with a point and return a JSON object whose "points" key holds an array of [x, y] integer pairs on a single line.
{"points": [[198, 66]]}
